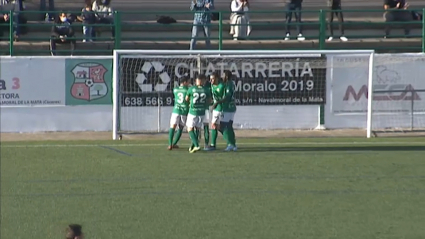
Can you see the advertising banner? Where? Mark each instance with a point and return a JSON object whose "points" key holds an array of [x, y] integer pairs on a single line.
{"points": [[258, 81], [30, 82], [397, 81], [398, 85]]}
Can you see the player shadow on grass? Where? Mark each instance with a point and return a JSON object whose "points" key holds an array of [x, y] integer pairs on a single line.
{"points": [[353, 148]]}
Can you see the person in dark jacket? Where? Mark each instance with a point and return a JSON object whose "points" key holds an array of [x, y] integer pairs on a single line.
{"points": [[61, 32], [4, 26], [88, 17], [396, 11], [104, 15], [335, 10], [294, 7]]}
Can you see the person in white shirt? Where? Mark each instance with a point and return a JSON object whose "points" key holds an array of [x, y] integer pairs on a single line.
{"points": [[239, 19], [104, 15]]}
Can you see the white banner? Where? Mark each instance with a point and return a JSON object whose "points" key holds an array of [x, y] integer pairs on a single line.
{"points": [[400, 73], [347, 89], [32, 82], [54, 119]]}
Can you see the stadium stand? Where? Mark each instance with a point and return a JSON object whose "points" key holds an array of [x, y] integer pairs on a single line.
{"points": [[139, 18]]}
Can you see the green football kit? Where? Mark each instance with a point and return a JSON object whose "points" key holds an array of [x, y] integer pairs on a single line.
{"points": [[229, 105], [198, 99], [181, 106], [198, 96], [178, 116]]}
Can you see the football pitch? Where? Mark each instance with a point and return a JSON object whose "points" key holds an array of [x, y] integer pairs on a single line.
{"points": [[271, 188]]}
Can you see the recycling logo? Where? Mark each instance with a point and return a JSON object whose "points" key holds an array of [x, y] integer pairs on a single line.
{"points": [[153, 77]]}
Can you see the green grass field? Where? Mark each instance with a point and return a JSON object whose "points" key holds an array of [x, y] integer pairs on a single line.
{"points": [[272, 188]]}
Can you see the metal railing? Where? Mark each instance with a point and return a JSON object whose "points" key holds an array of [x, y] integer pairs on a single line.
{"points": [[146, 32]]}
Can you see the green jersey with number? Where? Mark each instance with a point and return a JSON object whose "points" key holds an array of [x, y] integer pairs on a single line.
{"points": [[217, 94], [181, 106], [198, 98], [229, 104]]}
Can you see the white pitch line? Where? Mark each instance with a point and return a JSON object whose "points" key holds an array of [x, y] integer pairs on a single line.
{"points": [[161, 145]]}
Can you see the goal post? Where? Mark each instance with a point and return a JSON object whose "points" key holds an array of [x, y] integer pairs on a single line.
{"points": [[282, 89]]}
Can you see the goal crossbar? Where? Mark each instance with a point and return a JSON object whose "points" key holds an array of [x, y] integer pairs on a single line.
{"points": [[238, 52]]}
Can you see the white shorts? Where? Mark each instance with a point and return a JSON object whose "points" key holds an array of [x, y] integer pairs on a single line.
{"points": [[207, 118], [177, 119], [216, 117], [228, 116], [194, 121]]}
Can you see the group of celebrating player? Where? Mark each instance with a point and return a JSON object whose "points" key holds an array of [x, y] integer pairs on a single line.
{"points": [[208, 102]]}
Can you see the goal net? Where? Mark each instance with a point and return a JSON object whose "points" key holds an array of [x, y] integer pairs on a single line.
{"points": [[398, 94], [388, 99], [274, 89]]}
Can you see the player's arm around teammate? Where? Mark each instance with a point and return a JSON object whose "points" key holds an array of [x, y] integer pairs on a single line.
{"points": [[217, 90], [208, 113], [229, 111], [179, 115]]}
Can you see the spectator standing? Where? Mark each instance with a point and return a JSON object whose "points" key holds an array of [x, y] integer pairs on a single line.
{"points": [[61, 32], [88, 17], [16, 6], [239, 19], [294, 7], [48, 5], [104, 15], [202, 20], [396, 11], [4, 26], [335, 10]]}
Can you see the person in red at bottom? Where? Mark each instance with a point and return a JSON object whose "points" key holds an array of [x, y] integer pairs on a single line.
{"points": [[74, 231]]}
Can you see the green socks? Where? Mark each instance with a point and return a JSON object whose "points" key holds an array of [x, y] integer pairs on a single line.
{"points": [[178, 136], [214, 134], [170, 136], [206, 134], [198, 133], [232, 136], [194, 138], [226, 133]]}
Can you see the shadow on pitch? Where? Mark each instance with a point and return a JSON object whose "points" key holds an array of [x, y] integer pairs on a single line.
{"points": [[353, 148]]}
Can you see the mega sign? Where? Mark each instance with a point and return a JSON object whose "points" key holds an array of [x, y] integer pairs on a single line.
{"points": [[397, 83], [389, 92]]}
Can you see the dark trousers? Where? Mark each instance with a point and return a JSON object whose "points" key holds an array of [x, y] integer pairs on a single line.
{"points": [[54, 41], [336, 11], [296, 10], [49, 9], [44, 3], [4, 27], [106, 21], [398, 16]]}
